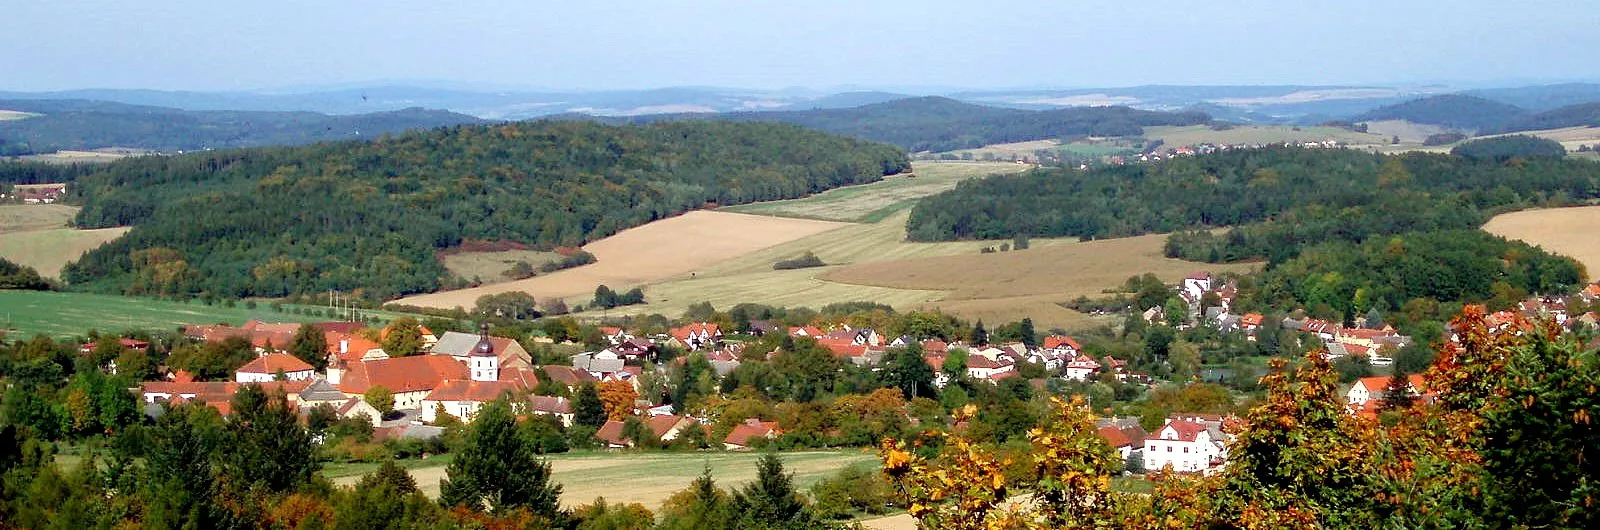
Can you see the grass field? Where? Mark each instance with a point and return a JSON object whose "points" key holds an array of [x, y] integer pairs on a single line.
{"points": [[48, 250], [1565, 231], [677, 246], [490, 267], [8, 115], [869, 203], [1176, 136], [644, 478], [61, 315], [25, 217]]}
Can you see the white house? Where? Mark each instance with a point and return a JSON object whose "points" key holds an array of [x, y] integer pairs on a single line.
{"points": [[1196, 284], [1374, 388], [1082, 368], [1186, 446], [267, 367]]}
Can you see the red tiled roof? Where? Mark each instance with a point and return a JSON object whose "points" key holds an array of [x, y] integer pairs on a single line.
{"points": [[751, 428], [683, 332], [611, 432], [1251, 319], [549, 404], [935, 346], [1053, 341], [566, 375], [402, 374], [1115, 437], [843, 347], [275, 362], [808, 331], [463, 390], [1187, 430]]}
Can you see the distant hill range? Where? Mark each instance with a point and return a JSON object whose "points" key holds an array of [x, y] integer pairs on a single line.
{"points": [[942, 124], [85, 124], [1484, 116]]}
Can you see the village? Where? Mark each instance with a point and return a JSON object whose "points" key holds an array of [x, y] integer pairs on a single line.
{"points": [[455, 374]]}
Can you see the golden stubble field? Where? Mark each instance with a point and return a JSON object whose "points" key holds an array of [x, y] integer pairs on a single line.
{"points": [[36, 235], [1573, 232], [676, 246]]}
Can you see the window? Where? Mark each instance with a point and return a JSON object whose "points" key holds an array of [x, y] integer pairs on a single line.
{"points": [[1169, 449], [1186, 449]]}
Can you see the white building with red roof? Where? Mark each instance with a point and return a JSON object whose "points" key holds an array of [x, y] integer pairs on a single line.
{"points": [[696, 335], [1186, 445], [267, 367], [1082, 368]]}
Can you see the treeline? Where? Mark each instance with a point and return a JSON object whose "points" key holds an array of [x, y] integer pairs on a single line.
{"points": [[15, 172], [369, 216], [83, 124], [14, 276], [942, 124], [1278, 199]]}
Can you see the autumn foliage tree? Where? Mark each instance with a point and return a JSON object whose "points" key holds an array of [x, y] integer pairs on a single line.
{"points": [[618, 397]]}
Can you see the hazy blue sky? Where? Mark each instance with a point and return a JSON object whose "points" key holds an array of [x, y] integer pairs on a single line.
{"points": [[229, 44]]}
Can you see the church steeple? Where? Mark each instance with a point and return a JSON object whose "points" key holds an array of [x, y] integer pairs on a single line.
{"points": [[484, 363]]}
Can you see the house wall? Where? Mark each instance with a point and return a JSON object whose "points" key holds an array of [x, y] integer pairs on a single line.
{"points": [[256, 377]]}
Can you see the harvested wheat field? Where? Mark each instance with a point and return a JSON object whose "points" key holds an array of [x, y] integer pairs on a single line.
{"points": [[870, 203], [1007, 285], [1573, 232], [662, 249]]}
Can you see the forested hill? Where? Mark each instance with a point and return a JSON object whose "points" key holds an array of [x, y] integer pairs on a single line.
{"points": [[1284, 202], [944, 124], [1450, 110], [370, 215], [84, 124], [1581, 115]]}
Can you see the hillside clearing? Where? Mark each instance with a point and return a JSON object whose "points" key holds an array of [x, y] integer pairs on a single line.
{"points": [[650, 478], [876, 201], [1409, 132], [1566, 231], [490, 267], [25, 217], [8, 115], [640, 255], [49, 250]]}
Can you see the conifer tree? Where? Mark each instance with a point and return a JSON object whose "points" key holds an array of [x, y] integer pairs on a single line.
{"points": [[771, 501], [587, 408], [499, 469]]}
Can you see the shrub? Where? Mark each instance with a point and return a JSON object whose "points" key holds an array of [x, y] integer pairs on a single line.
{"points": [[805, 261]]}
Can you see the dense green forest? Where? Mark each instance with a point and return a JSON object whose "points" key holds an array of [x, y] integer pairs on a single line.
{"points": [[82, 124], [17, 172], [1279, 202], [370, 215], [1450, 110], [1505, 148], [943, 124]]}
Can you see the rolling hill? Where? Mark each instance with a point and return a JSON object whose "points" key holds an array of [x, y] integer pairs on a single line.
{"points": [[369, 216], [87, 124], [1580, 115], [1449, 110], [942, 124], [1544, 97]]}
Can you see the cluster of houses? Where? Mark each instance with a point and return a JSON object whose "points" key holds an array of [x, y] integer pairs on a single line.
{"points": [[1158, 155], [35, 193]]}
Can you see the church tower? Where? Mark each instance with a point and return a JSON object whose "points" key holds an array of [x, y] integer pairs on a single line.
{"points": [[484, 363]]}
